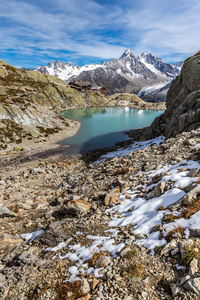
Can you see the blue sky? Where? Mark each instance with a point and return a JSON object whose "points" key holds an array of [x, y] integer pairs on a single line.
{"points": [[35, 32]]}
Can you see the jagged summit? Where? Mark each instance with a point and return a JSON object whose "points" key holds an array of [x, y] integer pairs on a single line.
{"points": [[127, 53]]}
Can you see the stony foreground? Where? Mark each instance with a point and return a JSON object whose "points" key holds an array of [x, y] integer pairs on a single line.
{"points": [[70, 229]]}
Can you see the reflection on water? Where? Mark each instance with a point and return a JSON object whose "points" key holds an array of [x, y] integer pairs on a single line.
{"points": [[103, 126], [77, 114]]}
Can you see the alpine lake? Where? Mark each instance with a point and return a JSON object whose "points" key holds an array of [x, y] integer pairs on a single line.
{"points": [[103, 127]]}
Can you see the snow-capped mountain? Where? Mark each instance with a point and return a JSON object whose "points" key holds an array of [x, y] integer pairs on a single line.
{"points": [[159, 67], [65, 70], [141, 75]]}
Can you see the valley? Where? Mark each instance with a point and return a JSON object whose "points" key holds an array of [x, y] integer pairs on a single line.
{"points": [[116, 224]]}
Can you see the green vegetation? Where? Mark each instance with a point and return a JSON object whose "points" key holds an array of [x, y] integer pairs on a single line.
{"points": [[192, 252], [132, 253]]}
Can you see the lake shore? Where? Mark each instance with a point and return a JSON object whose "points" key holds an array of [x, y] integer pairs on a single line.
{"points": [[147, 106], [34, 151], [48, 148]]}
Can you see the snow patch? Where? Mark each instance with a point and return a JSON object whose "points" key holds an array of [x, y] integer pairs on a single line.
{"points": [[31, 236], [133, 147]]}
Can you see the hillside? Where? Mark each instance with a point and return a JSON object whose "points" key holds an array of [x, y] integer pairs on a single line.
{"points": [[125, 226], [27, 100]]}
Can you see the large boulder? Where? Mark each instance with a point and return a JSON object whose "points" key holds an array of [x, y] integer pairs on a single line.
{"points": [[183, 101], [75, 207]]}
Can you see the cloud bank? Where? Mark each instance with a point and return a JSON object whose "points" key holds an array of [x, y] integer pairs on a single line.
{"points": [[86, 31]]}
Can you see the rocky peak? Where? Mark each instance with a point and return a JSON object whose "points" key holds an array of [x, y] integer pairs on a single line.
{"points": [[128, 54], [179, 64], [103, 63], [42, 70], [150, 58]]}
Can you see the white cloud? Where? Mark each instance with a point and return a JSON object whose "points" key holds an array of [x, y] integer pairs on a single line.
{"points": [[165, 28]]}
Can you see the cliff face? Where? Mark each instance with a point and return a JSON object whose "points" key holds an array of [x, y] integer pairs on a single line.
{"points": [[182, 104], [183, 99]]}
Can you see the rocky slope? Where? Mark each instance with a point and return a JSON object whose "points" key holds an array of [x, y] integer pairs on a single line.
{"points": [[182, 103], [126, 74], [124, 227], [68, 228]]}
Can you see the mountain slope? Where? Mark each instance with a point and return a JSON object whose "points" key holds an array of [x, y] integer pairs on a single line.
{"points": [[126, 74]]}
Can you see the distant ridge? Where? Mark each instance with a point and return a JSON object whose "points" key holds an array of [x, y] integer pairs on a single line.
{"points": [[142, 75]]}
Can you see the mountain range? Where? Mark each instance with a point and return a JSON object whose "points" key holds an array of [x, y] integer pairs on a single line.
{"points": [[146, 75]]}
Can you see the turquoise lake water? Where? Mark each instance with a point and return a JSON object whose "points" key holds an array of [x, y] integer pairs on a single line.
{"points": [[102, 127]]}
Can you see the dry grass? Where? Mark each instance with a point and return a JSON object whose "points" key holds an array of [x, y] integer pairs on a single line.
{"points": [[190, 210], [133, 270], [91, 262], [161, 207], [170, 234], [69, 290]]}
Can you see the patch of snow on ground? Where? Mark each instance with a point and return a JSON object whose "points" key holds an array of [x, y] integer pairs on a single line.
{"points": [[56, 248], [133, 147], [144, 212], [143, 216], [31, 236], [74, 272]]}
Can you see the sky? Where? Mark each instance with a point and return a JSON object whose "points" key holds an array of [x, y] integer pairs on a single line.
{"points": [[36, 32]]}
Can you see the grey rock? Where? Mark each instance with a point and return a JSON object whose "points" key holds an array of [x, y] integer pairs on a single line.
{"points": [[158, 190], [35, 134], [75, 207], [169, 247], [175, 251], [102, 261], [125, 251], [183, 105], [141, 236], [195, 232], [84, 287], [184, 245], [2, 281], [193, 267], [101, 288], [5, 212], [175, 290], [193, 285], [30, 256], [185, 279], [191, 196], [194, 172], [128, 241], [35, 171]]}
